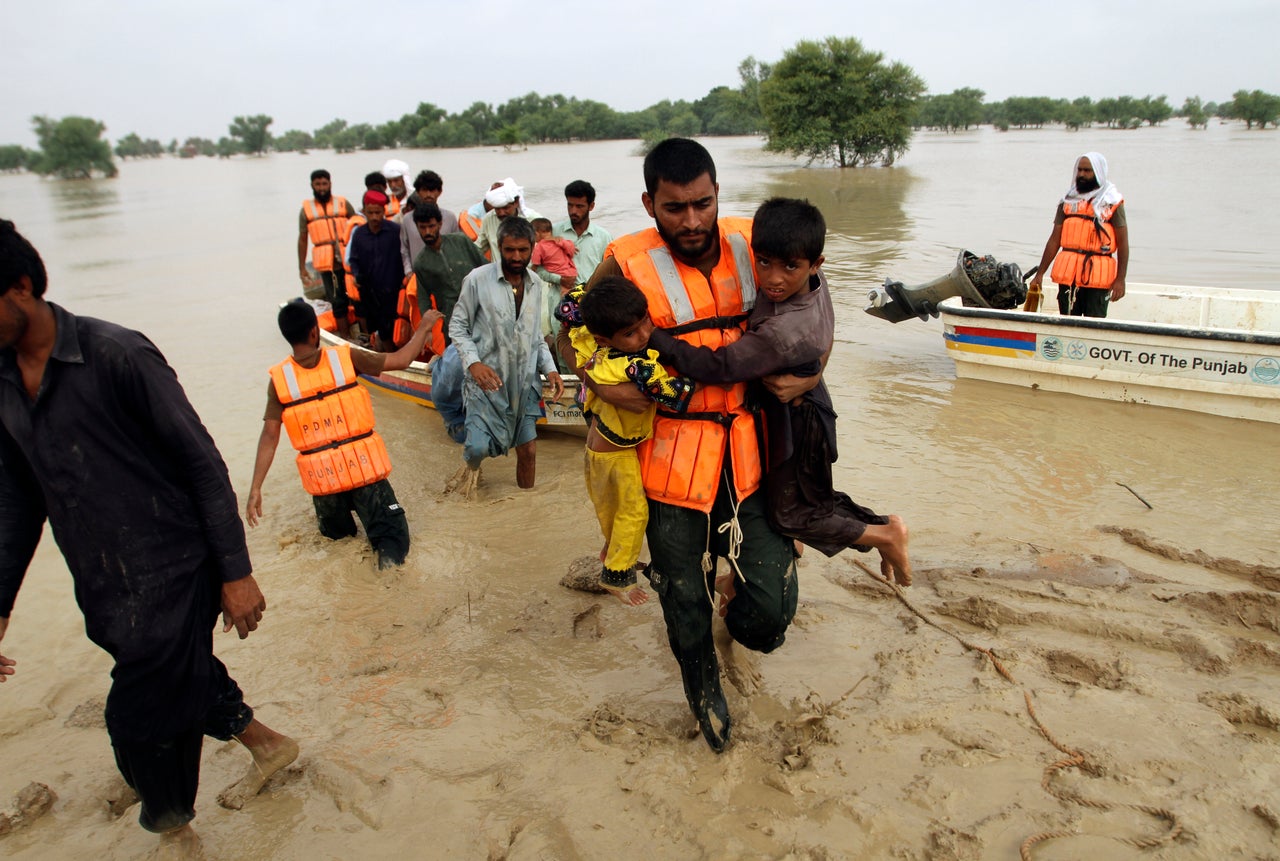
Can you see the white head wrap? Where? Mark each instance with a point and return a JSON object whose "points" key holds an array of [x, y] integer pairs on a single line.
{"points": [[395, 167], [1105, 198], [505, 194]]}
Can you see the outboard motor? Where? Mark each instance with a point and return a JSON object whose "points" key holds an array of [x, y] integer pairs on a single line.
{"points": [[979, 282]]}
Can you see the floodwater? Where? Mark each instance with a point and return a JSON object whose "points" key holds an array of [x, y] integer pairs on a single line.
{"points": [[198, 253]]}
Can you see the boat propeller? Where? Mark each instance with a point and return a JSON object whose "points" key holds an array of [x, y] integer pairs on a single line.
{"points": [[979, 281]]}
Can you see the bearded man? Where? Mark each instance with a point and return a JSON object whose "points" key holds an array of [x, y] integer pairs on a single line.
{"points": [[1090, 241]]}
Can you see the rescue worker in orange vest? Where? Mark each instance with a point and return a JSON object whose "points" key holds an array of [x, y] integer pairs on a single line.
{"points": [[323, 223], [329, 418], [1090, 241], [702, 470]]}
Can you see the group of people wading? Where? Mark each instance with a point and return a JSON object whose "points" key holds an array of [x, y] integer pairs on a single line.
{"points": [[700, 342]]}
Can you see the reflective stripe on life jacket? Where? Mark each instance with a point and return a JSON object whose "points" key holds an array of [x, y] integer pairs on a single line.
{"points": [[681, 462], [1088, 248], [329, 419], [327, 228], [408, 315]]}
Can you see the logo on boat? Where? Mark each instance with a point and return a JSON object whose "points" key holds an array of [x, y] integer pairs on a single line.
{"points": [[1076, 351], [1051, 348], [1266, 370]]}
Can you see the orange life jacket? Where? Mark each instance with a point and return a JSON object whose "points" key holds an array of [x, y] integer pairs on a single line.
{"points": [[408, 315], [681, 462], [1087, 258], [329, 418], [469, 224], [327, 229]]}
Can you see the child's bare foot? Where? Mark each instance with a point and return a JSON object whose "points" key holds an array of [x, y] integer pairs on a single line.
{"points": [[271, 752], [632, 596]]}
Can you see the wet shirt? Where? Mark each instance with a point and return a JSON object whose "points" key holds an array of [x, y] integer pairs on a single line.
{"points": [[133, 486]]}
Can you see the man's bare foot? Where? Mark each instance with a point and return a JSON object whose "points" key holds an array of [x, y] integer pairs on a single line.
{"points": [[271, 752], [181, 844], [737, 663], [464, 482], [895, 562]]}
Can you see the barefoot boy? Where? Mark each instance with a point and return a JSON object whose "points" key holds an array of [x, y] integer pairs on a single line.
{"points": [[790, 330], [610, 330]]}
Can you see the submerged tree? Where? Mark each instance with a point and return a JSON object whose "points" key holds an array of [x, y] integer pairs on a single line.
{"points": [[836, 101], [71, 148], [252, 133]]}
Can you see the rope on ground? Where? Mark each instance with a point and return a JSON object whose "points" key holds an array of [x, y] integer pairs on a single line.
{"points": [[1074, 758]]}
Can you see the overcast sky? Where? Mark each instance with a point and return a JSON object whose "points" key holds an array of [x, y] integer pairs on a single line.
{"points": [[177, 69]]}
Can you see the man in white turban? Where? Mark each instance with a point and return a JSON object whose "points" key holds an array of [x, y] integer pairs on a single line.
{"points": [[397, 173], [1089, 245], [504, 200]]}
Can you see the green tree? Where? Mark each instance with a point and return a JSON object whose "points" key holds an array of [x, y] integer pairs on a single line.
{"points": [[324, 136], [751, 73], [294, 140], [132, 146], [195, 146], [1154, 111], [252, 133], [14, 158], [1253, 107], [952, 112], [71, 148], [1194, 112], [836, 101]]}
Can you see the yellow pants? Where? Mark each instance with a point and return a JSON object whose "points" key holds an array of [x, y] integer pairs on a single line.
{"points": [[617, 492]]}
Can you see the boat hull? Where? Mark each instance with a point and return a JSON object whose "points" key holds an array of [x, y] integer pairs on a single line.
{"points": [[413, 384], [1200, 349]]}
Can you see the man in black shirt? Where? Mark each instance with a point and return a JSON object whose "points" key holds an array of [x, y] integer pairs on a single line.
{"points": [[97, 436]]}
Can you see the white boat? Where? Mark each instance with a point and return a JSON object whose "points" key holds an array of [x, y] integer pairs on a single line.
{"points": [[414, 384], [1208, 349]]}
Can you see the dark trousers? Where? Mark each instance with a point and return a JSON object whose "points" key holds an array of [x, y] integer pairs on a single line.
{"points": [[376, 506], [803, 504], [1083, 301], [168, 691], [166, 773], [335, 291], [757, 617]]}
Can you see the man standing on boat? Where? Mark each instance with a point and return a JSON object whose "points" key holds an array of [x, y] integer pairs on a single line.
{"points": [[375, 262], [496, 330], [397, 176], [1090, 241], [588, 237], [445, 259], [329, 417], [503, 202], [323, 222], [98, 437], [702, 469], [427, 188]]}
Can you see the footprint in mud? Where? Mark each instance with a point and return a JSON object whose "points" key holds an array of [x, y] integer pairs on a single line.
{"points": [[352, 789], [1242, 712], [586, 625], [1075, 669]]}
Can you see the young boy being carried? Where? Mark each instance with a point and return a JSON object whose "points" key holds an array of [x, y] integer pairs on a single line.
{"points": [[790, 330], [610, 329]]}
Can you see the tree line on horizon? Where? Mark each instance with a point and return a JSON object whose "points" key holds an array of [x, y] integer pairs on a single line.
{"points": [[828, 101]]}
